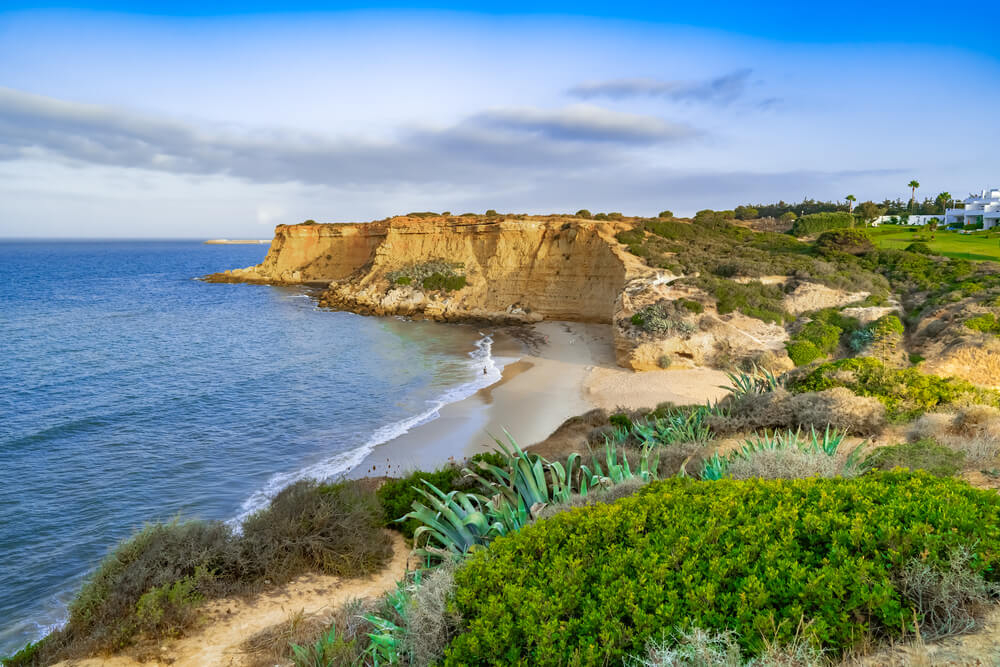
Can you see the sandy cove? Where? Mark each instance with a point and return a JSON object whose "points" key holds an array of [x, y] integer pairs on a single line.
{"points": [[570, 371]]}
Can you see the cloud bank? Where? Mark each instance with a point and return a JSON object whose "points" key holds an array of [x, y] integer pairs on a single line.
{"points": [[485, 142]]}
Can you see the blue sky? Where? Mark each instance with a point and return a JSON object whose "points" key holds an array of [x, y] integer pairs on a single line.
{"points": [[190, 120]]}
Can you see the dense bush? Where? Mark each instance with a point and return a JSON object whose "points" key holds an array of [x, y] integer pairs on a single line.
{"points": [[817, 223], [803, 352], [151, 583], [920, 455], [906, 392], [763, 559], [985, 323], [665, 214], [919, 248], [849, 241], [438, 281]]}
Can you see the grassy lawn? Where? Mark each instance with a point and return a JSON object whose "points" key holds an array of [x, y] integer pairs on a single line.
{"points": [[977, 246]]}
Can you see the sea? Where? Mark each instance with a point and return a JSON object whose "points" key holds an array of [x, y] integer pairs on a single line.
{"points": [[131, 392]]}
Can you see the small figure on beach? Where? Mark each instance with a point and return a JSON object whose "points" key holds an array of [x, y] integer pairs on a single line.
{"points": [[484, 370]]}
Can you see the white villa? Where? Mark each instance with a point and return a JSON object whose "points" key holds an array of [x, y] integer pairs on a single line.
{"points": [[984, 208], [917, 220]]}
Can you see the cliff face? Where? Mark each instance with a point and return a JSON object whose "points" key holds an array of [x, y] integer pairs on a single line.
{"points": [[521, 269], [514, 270], [312, 254], [524, 269]]}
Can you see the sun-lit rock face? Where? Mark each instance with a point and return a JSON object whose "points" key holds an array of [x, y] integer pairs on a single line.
{"points": [[509, 269]]}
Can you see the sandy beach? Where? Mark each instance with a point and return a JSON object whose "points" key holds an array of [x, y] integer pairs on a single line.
{"points": [[571, 371]]}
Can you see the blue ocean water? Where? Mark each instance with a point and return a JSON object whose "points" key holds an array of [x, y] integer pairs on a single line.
{"points": [[130, 392]]}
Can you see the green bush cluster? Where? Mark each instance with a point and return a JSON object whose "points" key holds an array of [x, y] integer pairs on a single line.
{"points": [[847, 241], [924, 454], [985, 323], [817, 223], [153, 581], [766, 560], [802, 352], [753, 299], [905, 392], [438, 281]]}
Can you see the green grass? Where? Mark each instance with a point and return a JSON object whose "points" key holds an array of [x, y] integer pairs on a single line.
{"points": [[977, 246]]}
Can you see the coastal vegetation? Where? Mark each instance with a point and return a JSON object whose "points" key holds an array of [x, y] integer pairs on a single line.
{"points": [[762, 523]]}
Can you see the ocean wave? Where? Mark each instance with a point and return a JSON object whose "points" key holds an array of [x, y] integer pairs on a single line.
{"points": [[481, 357]]}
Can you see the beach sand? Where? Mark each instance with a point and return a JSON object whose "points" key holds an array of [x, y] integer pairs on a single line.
{"points": [[569, 372]]}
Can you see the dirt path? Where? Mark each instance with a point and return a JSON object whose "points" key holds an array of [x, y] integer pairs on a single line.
{"points": [[228, 622]]}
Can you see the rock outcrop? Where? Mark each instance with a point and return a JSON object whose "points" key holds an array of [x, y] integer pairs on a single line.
{"points": [[513, 269]]}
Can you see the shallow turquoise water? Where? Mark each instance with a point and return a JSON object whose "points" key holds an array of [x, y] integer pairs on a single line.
{"points": [[130, 392]]}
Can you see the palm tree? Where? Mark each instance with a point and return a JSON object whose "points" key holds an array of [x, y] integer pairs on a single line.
{"points": [[942, 200], [913, 185], [850, 203]]}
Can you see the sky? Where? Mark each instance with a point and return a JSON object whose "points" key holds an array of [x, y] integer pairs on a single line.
{"points": [[200, 120]]}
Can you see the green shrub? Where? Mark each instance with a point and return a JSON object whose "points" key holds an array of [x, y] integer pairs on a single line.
{"points": [[693, 306], [753, 299], [826, 337], [583, 213], [905, 392], [438, 281], [849, 241], [919, 248], [802, 352], [491, 212], [816, 223], [665, 214], [664, 361], [767, 560], [985, 323], [920, 455], [404, 280]]}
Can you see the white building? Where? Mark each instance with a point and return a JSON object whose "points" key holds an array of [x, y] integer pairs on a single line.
{"points": [[905, 219], [984, 208]]}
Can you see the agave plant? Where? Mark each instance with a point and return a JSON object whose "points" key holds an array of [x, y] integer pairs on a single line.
{"points": [[757, 381], [318, 654], [618, 471], [388, 641], [675, 427], [524, 477], [455, 522], [715, 468]]}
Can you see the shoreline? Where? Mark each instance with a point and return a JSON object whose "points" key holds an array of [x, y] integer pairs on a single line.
{"points": [[567, 370]]}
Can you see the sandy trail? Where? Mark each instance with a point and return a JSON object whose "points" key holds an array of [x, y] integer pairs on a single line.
{"points": [[229, 622]]}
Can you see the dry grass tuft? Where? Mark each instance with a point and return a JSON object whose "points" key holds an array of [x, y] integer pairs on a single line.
{"points": [[974, 431], [837, 407], [788, 464]]}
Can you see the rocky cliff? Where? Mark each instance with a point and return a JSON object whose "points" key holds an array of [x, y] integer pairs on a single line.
{"points": [[514, 269]]}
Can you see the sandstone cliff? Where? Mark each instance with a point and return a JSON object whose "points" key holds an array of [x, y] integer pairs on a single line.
{"points": [[514, 269]]}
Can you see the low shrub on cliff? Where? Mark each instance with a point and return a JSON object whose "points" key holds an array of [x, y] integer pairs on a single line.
{"points": [[665, 317], [767, 560], [151, 584], [986, 323], [838, 408], [436, 274], [906, 392]]}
